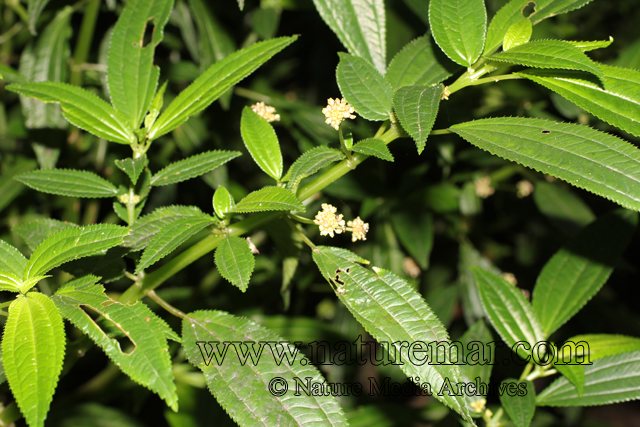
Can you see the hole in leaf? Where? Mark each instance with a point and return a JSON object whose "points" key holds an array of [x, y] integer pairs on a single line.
{"points": [[147, 35], [529, 9], [546, 131], [110, 329]]}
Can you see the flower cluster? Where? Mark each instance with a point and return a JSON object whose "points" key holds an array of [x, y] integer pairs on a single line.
{"points": [[336, 111], [266, 112], [478, 405], [331, 223], [483, 187], [524, 188]]}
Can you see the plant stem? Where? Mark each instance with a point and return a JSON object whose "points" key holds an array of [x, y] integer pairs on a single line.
{"points": [[17, 8], [300, 233], [85, 38], [440, 132], [299, 219], [162, 303]]}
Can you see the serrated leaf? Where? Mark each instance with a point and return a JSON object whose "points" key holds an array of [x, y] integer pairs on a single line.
{"points": [[222, 201], [360, 25], [73, 243], [584, 157], [472, 340], [581, 350], [82, 108], [417, 107], [562, 207], [109, 266], [146, 228], [549, 54], [240, 388], [10, 282], [34, 9], [364, 87], [608, 380], [47, 61], [459, 28], [471, 303], [193, 166], [261, 141], [578, 271], [617, 102], [214, 82], [518, 33], [131, 75], [133, 168], [393, 312], [269, 199], [415, 231], [508, 311], [586, 46], [33, 349], [235, 262], [374, 147], [310, 162], [68, 182], [34, 232], [512, 12], [11, 259], [417, 64], [519, 406], [170, 237], [148, 363]]}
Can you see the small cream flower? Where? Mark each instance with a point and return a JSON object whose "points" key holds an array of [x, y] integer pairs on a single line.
{"points": [[410, 267], [328, 221], [483, 187], [509, 277], [524, 188], [266, 112], [478, 405], [359, 229], [488, 413], [336, 111]]}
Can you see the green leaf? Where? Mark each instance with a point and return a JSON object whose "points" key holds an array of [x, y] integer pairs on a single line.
{"points": [[512, 12], [374, 147], [549, 54], [415, 231], [109, 266], [269, 199], [459, 28], [235, 262], [364, 87], [417, 64], [223, 201], [577, 272], [34, 10], [9, 188], [518, 33], [608, 380], [584, 157], [47, 62], [147, 228], [393, 312], [617, 102], [33, 349], [47, 157], [261, 141], [471, 304], [10, 75], [508, 310], [519, 400], [11, 259], [82, 108], [360, 25], [473, 342], [133, 168], [68, 182], [417, 108], [581, 350], [34, 232], [73, 243], [10, 282], [241, 388], [171, 237], [562, 207], [214, 82], [131, 75], [310, 162], [586, 46], [148, 361], [193, 166]]}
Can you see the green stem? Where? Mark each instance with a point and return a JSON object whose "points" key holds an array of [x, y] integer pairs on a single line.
{"points": [[300, 233], [440, 132], [162, 303], [21, 11], [297, 218], [85, 38], [131, 207], [208, 244], [9, 415], [526, 371]]}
